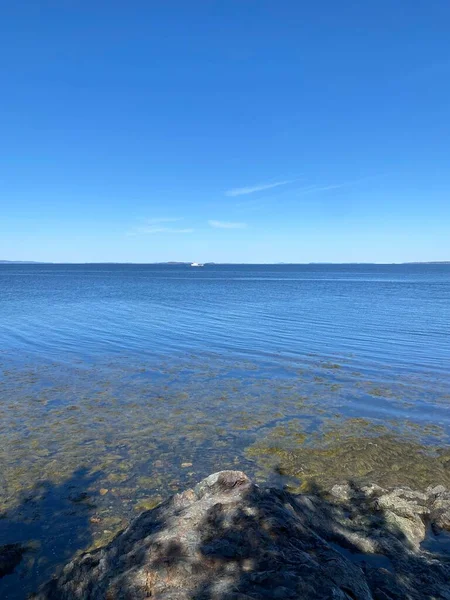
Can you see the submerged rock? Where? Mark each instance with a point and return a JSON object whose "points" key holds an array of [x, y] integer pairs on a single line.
{"points": [[10, 557], [228, 539]]}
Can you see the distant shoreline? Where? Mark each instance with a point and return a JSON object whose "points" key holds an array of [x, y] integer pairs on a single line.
{"points": [[188, 263]]}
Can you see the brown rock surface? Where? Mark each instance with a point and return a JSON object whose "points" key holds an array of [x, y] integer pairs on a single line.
{"points": [[228, 539]]}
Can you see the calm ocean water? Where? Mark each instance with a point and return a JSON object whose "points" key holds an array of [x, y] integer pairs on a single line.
{"points": [[396, 315], [121, 383]]}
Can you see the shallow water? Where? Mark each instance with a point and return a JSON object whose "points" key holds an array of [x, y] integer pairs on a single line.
{"points": [[122, 383]]}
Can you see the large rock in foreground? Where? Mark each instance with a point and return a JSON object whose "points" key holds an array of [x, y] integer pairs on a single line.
{"points": [[228, 539]]}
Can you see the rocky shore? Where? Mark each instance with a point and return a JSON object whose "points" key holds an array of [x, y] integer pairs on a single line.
{"points": [[229, 539]]}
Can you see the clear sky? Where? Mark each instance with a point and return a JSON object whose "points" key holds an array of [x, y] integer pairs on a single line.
{"points": [[225, 130]]}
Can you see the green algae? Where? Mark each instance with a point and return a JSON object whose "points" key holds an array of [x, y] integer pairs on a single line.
{"points": [[131, 434], [117, 477], [109, 527], [148, 503], [380, 392], [355, 450], [147, 482]]}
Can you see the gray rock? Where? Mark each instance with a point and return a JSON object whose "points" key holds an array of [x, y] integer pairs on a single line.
{"points": [[372, 490], [228, 539], [412, 528], [440, 507], [341, 491], [10, 557], [404, 503]]}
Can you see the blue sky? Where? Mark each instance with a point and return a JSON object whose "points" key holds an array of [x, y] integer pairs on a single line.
{"points": [[227, 130]]}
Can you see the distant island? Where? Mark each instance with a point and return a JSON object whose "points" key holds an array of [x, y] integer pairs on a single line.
{"points": [[22, 262]]}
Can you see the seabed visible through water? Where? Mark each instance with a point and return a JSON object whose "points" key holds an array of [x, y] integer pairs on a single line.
{"points": [[85, 448]]}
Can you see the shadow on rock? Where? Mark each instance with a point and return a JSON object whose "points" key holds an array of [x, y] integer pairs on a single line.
{"points": [[43, 531], [228, 539]]}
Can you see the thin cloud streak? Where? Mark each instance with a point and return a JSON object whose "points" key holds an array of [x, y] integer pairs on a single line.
{"points": [[260, 203], [226, 225], [312, 189], [255, 188]]}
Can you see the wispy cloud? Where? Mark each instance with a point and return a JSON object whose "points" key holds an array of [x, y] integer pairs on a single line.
{"points": [[294, 192], [251, 189], [313, 189], [226, 224]]}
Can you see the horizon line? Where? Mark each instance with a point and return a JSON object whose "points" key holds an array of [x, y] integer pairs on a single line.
{"points": [[177, 262]]}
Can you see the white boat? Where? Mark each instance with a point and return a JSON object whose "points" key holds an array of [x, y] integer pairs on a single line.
{"points": [[197, 265]]}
